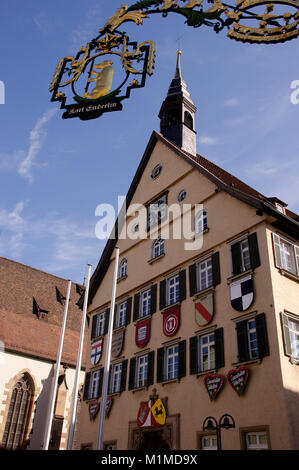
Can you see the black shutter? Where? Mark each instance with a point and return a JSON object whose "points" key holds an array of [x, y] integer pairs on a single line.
{"points": [[261, 334], [254, 251], [192, 280], [182, 359], [128, 310], [150, 368], [99, 394], [216, 268], [193, 355], [115, 316], [242, 341], [107, 315], [86, 386], [123, 375], [153, 298], [94, 325], [132, 373], [136, 306], [160, 364], [219, 348], [236, 258], [163, 294], [182, 276]]}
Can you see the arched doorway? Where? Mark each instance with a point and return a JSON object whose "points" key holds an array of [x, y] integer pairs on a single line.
{"points": [[153, 440]]}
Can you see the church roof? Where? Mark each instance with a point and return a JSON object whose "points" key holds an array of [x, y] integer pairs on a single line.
{"points": [[222, 179], [31, 312]]}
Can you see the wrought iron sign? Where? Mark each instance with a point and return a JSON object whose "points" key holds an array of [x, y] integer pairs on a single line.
{"points": [[104, 72]]}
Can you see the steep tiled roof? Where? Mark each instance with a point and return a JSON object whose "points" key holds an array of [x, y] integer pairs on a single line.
{"points": [[24, 332]]}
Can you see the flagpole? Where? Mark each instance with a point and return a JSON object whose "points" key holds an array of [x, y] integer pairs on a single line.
{"points": [[56, 372], [107, 357], [78, 366]]}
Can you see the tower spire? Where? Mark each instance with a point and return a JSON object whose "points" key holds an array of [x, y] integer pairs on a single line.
{"points": [[177, 114]]}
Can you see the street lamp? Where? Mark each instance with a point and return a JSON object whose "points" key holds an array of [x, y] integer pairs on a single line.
{"points": [[210, 424]]}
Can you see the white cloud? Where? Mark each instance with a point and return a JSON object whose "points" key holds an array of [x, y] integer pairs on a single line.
{"points": [[207, 140], [231, 102], [36, 138]]}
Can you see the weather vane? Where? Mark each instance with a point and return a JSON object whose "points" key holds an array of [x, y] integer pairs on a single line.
{"points": [[103, 73]]}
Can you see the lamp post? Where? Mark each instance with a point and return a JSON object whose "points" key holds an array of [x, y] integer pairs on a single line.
{"points": [[210, 424]]}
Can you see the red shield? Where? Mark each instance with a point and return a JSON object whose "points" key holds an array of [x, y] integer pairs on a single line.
{"points": [[142, 334], [171, 320], [145, 417], [93, 407]]}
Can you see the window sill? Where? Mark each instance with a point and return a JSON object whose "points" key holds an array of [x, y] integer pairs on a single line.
{"points": [[257, 360], [139, 320], [294, 361], [198, 234], [285, 273], [152, 260], [115, 394], [169, 306], [235, 277], [171, 381], [203, 292], [209, 371], [138, 389]]}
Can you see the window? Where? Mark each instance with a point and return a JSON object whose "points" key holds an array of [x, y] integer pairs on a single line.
{"points": [[201, 221], [123, 313], [173, 289], [182, 194], [123, 269], [141, 371], [158, 248], [93, 384], [256, 440], [245, 254], [286, 254], [16, 425], [100, 322], [156, 171], [117, 377], [204, 274], [145, 302], [290, 328], [208, 442], [207, 351], [157, 211], [252, 338], [188, 120], [171, 362]]}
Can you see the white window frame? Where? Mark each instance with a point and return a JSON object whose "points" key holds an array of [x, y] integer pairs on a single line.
{"points": [[292, 265], [203, 267], [210, 437], [94, 384], [100, 325], [145, 303], [123, 268], [201, 221], [258, 445], [121, 312], [211, 355], [252, 339], [173, 289], [116, 373], [157, 211], [158, 248], [172, 362], [141, 372]]}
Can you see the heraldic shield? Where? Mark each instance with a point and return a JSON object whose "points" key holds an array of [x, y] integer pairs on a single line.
{"points": [[171, 320], [96, 351], [142, 334], [204, 309], [117, 342], [242, 293]]}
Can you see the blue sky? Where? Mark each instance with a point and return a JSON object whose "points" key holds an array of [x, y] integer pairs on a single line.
{"points": [[55, 172]]}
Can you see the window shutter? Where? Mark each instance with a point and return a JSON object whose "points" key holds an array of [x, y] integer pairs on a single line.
{"points": [[160, 364], [286, 334], [182, 359], [297, 259], [93, 326], [128, 310], [99, 394], [162, 294], [150, 368], [192, 279], [216, 268], [132, 373], [107, 316], [236, 258], [153, 298], [254, 251], [86, 386], [219, 348], [193, 343], [261, 334], [242, 341], [276, 250], [115, 316], [182, 276], [123, 375], [136, 306]]}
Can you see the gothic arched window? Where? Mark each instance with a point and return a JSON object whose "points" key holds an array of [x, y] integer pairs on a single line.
{"points": [[18, 414]]}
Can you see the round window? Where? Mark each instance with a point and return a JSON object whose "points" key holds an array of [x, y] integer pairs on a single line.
{"points": [[156, 171], [182, 194]]}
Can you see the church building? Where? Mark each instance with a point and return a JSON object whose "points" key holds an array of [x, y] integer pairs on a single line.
{"points": [[205, 346]]}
